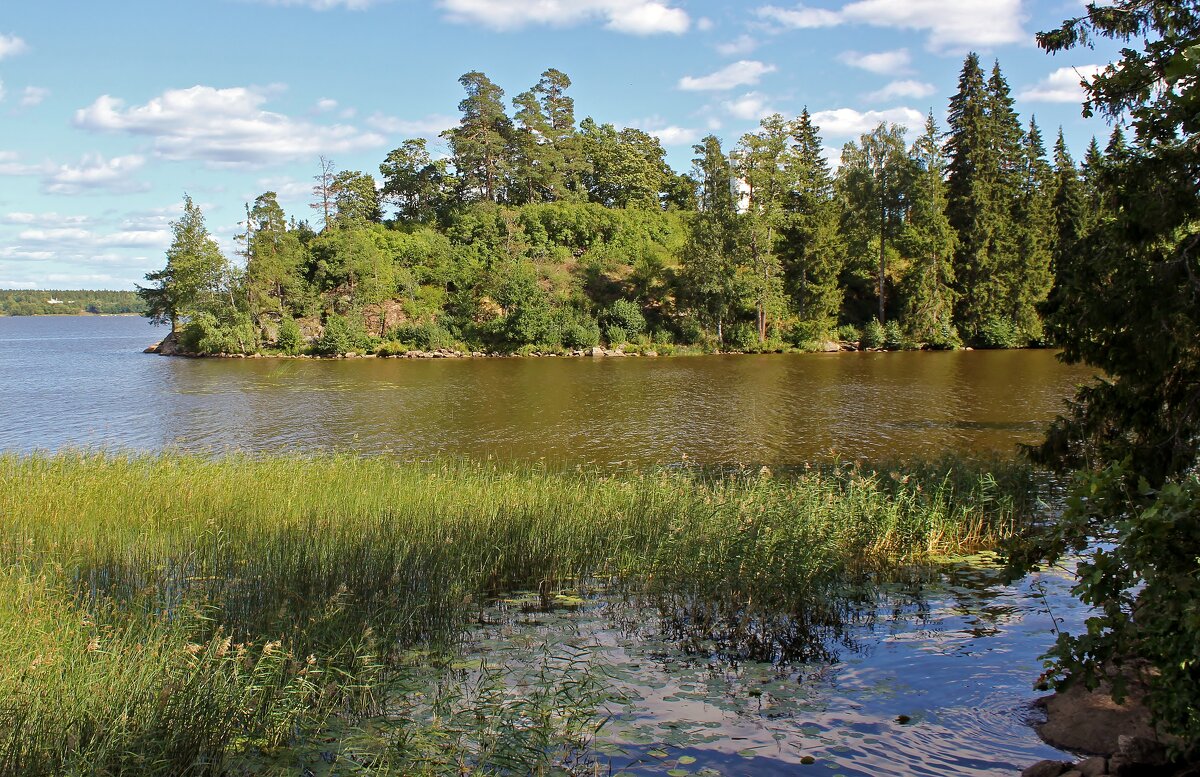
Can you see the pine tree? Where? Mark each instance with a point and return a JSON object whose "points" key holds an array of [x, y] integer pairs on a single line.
{"points": [[194, 275], [714, 240], [482, 140], [1069, 208]]}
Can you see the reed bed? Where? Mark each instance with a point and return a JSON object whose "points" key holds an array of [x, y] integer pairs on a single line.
{"points": [[164, 614]]}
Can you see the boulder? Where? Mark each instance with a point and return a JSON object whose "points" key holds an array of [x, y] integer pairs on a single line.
{"points": [[1096, 766], [596, 351], [1046, 768], [1091, 722]]}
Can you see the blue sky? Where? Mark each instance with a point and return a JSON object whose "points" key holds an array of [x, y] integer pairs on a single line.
{"points": [[112, 110]]}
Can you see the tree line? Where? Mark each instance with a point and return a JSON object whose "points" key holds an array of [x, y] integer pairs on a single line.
{"points": [[45, 302], [540, 232]]}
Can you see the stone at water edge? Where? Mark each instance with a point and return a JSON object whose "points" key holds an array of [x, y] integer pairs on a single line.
{"points": [[1096, 766], [1046, 768]]}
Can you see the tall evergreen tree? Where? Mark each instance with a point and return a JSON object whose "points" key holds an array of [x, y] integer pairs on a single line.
{"points": [[193, 277], [714, 241], [813, 251], [1029, 275], [1070, 211], [928, 242]]}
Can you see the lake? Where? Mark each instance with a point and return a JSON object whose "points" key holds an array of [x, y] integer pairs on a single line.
{"points": [[84, 382]]}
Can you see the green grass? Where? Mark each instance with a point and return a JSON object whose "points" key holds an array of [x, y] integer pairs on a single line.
{"points": [[171, 614]]}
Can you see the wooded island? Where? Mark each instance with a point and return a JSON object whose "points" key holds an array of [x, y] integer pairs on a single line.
{"points": [[541, 233]]}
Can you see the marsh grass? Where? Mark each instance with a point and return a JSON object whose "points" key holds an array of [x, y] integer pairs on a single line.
{"points": [[169, 614]]}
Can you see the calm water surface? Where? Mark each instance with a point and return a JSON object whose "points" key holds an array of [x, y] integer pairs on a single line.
{"points": [[83, 381]]}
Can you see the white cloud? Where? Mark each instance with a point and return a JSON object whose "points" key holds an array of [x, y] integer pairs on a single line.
{"points": [[751, 106], [800, 17], [11, 164], [847, 122], [881, 62], [11, 45], [33, 95], [225, 127], [2, 92], [428, 126], [739, 73], [636, 17], [42, 219], [704, 24], [325, 5], [1061, 86], [904, 88], [326, 104], [95, 173], [742, 44], [951, 25], [676, 136]]}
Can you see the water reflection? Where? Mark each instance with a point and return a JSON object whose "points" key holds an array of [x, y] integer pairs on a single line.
{"points": [[84, 381]]}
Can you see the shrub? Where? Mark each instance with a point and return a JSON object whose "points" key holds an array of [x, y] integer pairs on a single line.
{"points": [[873, 335], [205, 334], [581, 334], [893, 336], [426, 336], [849, 333], [945, 337], [742, 336], [615, 336], [999, 333], [663, 337], [627, 316], [289, 340], [341, 335]]}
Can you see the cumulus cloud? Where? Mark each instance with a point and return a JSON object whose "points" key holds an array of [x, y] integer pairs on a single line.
{"points": [[326, 104], [740, 73], [881, 62], [676, 136], [800, 17], [11, 164], [635, 17], [847, 122], [33, 95], [1062, 86], [742, 44], [324, 5], [94, 173], [902, 88], [11, 46], [428, 126], [951, 25], [751, 106], [225, 127]]}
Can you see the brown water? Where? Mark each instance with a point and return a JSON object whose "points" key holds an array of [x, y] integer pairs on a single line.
{"points": [[83, 381]]}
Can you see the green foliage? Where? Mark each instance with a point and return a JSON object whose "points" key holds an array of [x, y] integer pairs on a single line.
{"points": [[873, 334], [70, 303], [425, 336], [849, 333], [999, 333], [1125, 303], [205, 334], [581, 333], [893, 337], [342, 334], [290, 340], [626, 315], [615, 336]]}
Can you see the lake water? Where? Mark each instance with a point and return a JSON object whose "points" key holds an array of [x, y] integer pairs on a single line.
{"points": [[84, 382], [956, 658]]}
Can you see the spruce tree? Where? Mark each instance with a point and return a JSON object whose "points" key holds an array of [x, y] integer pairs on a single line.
{"points": [[1069, 208], [812, 252], [714, 240], [928, 241], [1030, 275]]}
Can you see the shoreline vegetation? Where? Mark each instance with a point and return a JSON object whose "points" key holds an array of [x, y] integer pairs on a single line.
{"points": [[541, 233], [75, 302], [169, 614]]}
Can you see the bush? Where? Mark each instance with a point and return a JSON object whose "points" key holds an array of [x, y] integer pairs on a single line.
{"points": [[690, 331], [999, 333], [873, 335], [204, 334], [581, 334], [615, 336], [893, 336], [742, 336], [289, 340], [627, 316], [341, 335], [663, 337], [849, 333], [426, 336], [945, 337]]}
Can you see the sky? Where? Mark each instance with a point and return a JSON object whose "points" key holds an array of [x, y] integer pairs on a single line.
{"points": [[111, 111]]}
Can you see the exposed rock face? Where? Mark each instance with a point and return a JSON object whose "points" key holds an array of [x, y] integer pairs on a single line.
{"points": [[168, 346]]}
